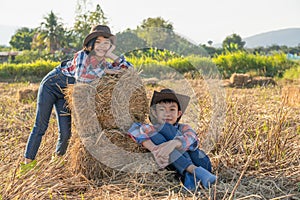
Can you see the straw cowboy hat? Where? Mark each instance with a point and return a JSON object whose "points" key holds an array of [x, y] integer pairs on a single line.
{"points": [[168, 94], [100, 30]]}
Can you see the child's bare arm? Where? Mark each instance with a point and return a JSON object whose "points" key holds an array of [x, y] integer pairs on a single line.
{"points": [[162, 161]]}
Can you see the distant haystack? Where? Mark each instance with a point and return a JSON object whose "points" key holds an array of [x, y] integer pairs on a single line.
{"points": [[245, 80], [240, 80], [27, 95], [262, 81]]}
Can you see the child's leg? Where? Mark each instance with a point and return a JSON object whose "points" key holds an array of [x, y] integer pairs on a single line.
{"points": [[168, 131], [177, 159], [199, 158]]}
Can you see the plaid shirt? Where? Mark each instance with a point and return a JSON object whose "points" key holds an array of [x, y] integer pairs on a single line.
{"points": [[141, 132], [87, 68]]}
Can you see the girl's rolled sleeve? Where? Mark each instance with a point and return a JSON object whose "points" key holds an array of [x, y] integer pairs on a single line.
{"points": [[121, 62]]}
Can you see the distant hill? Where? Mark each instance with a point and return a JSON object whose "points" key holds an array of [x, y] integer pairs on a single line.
{"points": [[289, 37]]}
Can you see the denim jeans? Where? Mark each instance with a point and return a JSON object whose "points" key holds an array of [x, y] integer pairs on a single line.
{"points": [[180, 160], [50, 94]]}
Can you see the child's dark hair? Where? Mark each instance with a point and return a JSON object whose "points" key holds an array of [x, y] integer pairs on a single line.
{"points": [[167, 101], [90, 45]]}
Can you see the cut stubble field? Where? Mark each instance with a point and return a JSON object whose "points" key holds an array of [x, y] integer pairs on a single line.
{"points": [[255, 153]]}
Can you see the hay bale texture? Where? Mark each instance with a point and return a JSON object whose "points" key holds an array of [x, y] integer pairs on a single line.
{"points": [[245, 80], [291, 95], [103, 111]]}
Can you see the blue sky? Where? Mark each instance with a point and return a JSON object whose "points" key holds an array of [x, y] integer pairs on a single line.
{"points": [[196, 20]]}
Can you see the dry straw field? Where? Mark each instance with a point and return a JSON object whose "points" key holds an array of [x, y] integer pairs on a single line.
{"points": [[255, 152]]}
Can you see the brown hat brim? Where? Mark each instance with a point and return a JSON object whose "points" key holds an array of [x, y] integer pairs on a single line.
{"points": [[96, 34]]}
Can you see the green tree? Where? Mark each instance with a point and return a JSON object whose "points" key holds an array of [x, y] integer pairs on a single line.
{"points": [[157, 32], [86, 19], [52, 31], [233, 43], [128, 41], [22, 39]]}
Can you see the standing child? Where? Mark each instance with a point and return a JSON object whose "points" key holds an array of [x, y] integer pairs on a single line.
{"points": [[172, 142], [87, 65]]}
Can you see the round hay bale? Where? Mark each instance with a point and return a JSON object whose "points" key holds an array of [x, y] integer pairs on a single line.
{"points": [[121, 100], [291, 95], [262, 81], [27, 95], [240, 80], [103, 111]]}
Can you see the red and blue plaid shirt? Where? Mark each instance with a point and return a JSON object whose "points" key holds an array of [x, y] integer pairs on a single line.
{"points": [[141, 132], [87, 68]]}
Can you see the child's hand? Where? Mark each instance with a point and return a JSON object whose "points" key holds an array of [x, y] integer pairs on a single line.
{"points": [[165, 149], [110, 54], [161, 161]]}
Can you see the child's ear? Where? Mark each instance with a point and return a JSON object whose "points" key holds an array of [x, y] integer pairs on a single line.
{"points": [[179, 113]]}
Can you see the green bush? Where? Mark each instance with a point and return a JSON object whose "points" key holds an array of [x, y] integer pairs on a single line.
{"points": [[18, 71], [292, 73], [260, 65], [152, 67]]}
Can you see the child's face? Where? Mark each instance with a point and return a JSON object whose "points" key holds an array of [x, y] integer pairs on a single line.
{"points": [[102, 45], [167, 112]]}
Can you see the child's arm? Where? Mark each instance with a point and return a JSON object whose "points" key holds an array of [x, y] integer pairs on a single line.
{"points": [[119, 62], [140, 134], [161, 159], [188, 138]]}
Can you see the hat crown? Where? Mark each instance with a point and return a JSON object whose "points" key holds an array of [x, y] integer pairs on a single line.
{"points": [[100, 28], [167, 91]]}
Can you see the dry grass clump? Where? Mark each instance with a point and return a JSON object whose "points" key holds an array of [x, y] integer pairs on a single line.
{"points": [[291, 95]]}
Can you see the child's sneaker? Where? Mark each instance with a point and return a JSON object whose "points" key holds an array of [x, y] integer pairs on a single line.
{"points": [[24, 168], [207, 179], [57, 159], [189, 181]]}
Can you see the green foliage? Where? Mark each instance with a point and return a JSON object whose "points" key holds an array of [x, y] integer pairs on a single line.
{"points": [[292, 73], [233, 43], [37, 69], [32, 56], [53, 30], [128, 41], [259, 65], [85, 19], [154, 61], [153, 53], [22, 39]]}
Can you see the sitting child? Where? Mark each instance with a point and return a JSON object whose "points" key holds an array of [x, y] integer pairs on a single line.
{"points": [[172, 143]]}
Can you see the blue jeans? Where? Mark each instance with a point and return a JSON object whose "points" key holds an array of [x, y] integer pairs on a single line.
{"points": [[50, 94], [178, 159]]}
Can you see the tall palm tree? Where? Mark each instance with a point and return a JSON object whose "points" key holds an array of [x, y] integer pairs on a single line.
{"points": [[53, 31]]}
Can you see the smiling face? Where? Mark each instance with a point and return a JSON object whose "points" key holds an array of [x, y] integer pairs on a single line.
{"points": [[102, 45], [167, 112]]}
